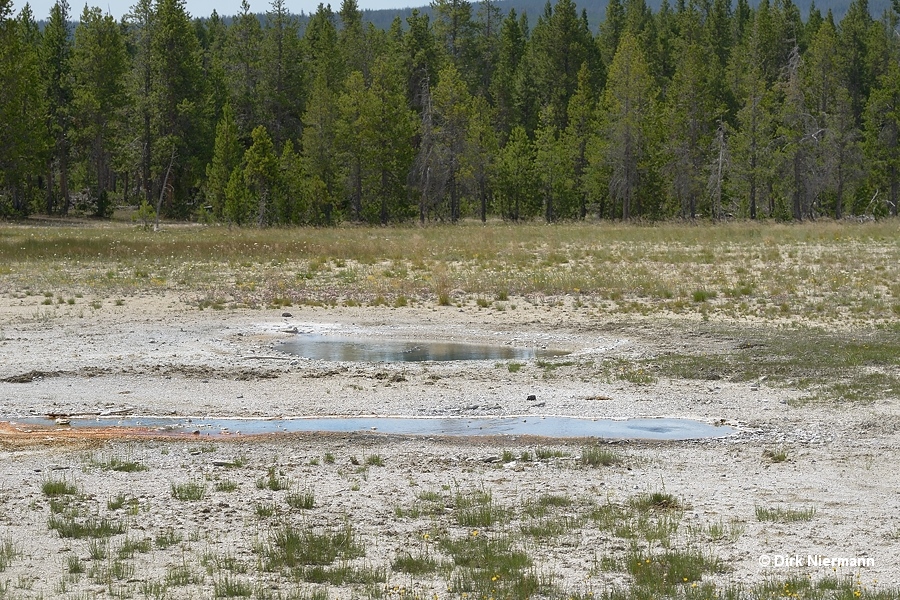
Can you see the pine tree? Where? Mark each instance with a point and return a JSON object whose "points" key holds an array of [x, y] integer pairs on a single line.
{"points": [[140, 23], [57, 78], [351, 108], [611, 30], [319, 153], [752, 145], [691, 113], [882, 139], [452, 103], [22, 111], [322, 57], [260, 174], [282, 79], [503, 83], [854, 52], [454, 30], [515, 179], [176, 108], [553, 168], [421, 55], [576, 138], [560, 44], [243, 68], [388, 128], [628, 107], [487, 46], [290, 203], [798, 136], [227, 155], [481, 149], [830, 105], [99, 65], [355, 48]]}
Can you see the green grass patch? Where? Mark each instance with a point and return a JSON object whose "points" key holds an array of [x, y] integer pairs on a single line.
{"points": [[53, 488], [843, 366], [8, 552], [418, 564], [292, 546], [226, 485], [594, 456], [304, 499], [167, 538], [785, 515], [476, 509], [230, 586], [775, 455], [661, 571], [93, 527], [121, 465], [189, 491], [658, 501], [343, 574], [272, 481], [374, 460], [548, 453]]}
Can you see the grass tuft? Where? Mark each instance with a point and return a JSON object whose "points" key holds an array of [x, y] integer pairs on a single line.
{"points": [[190, 491], [53, 488], [594, 456], [785, 515]]}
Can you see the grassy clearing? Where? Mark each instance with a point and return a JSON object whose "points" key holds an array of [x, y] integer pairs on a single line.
{"points": [[826, 272]]}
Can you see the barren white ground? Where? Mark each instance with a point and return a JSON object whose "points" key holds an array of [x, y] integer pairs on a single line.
{"points": [[158, 355]]}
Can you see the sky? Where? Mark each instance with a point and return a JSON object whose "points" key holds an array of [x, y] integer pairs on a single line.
{"points": [[203, 8]]}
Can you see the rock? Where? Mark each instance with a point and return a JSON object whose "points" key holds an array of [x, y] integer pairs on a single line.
{"points": [[286, 315], [531, 398]]}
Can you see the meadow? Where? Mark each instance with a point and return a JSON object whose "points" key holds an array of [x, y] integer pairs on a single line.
{"points": [[835, 274]]}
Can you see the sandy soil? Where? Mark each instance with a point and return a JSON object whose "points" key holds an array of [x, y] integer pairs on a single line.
{"points": [[158, 355]]}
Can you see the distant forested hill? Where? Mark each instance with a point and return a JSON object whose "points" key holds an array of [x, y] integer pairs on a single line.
{"points": [[597, 9]]}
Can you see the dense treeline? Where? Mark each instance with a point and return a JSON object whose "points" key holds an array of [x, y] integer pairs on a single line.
{"points": [[701, 109]]}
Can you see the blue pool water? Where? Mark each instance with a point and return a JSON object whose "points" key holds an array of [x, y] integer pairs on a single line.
{"points": [[555, 427]]}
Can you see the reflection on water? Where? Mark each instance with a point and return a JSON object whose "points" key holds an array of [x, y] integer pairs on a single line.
{"points": [[557, 427], [334, 348]]}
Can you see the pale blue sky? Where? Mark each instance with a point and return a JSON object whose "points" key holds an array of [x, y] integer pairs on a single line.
{"points": [[203, 8]]}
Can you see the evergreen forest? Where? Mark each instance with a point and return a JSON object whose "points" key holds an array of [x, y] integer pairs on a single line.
{"points": [[701, 109]]}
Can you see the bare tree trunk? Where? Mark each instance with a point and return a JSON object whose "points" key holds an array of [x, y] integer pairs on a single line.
{"points": [[64, 181], [895, 190], [50, 199], [165, 185]]}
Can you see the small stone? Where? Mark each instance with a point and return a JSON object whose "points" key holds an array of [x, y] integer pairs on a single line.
{"points": [[531, 398], [286, 315]]}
